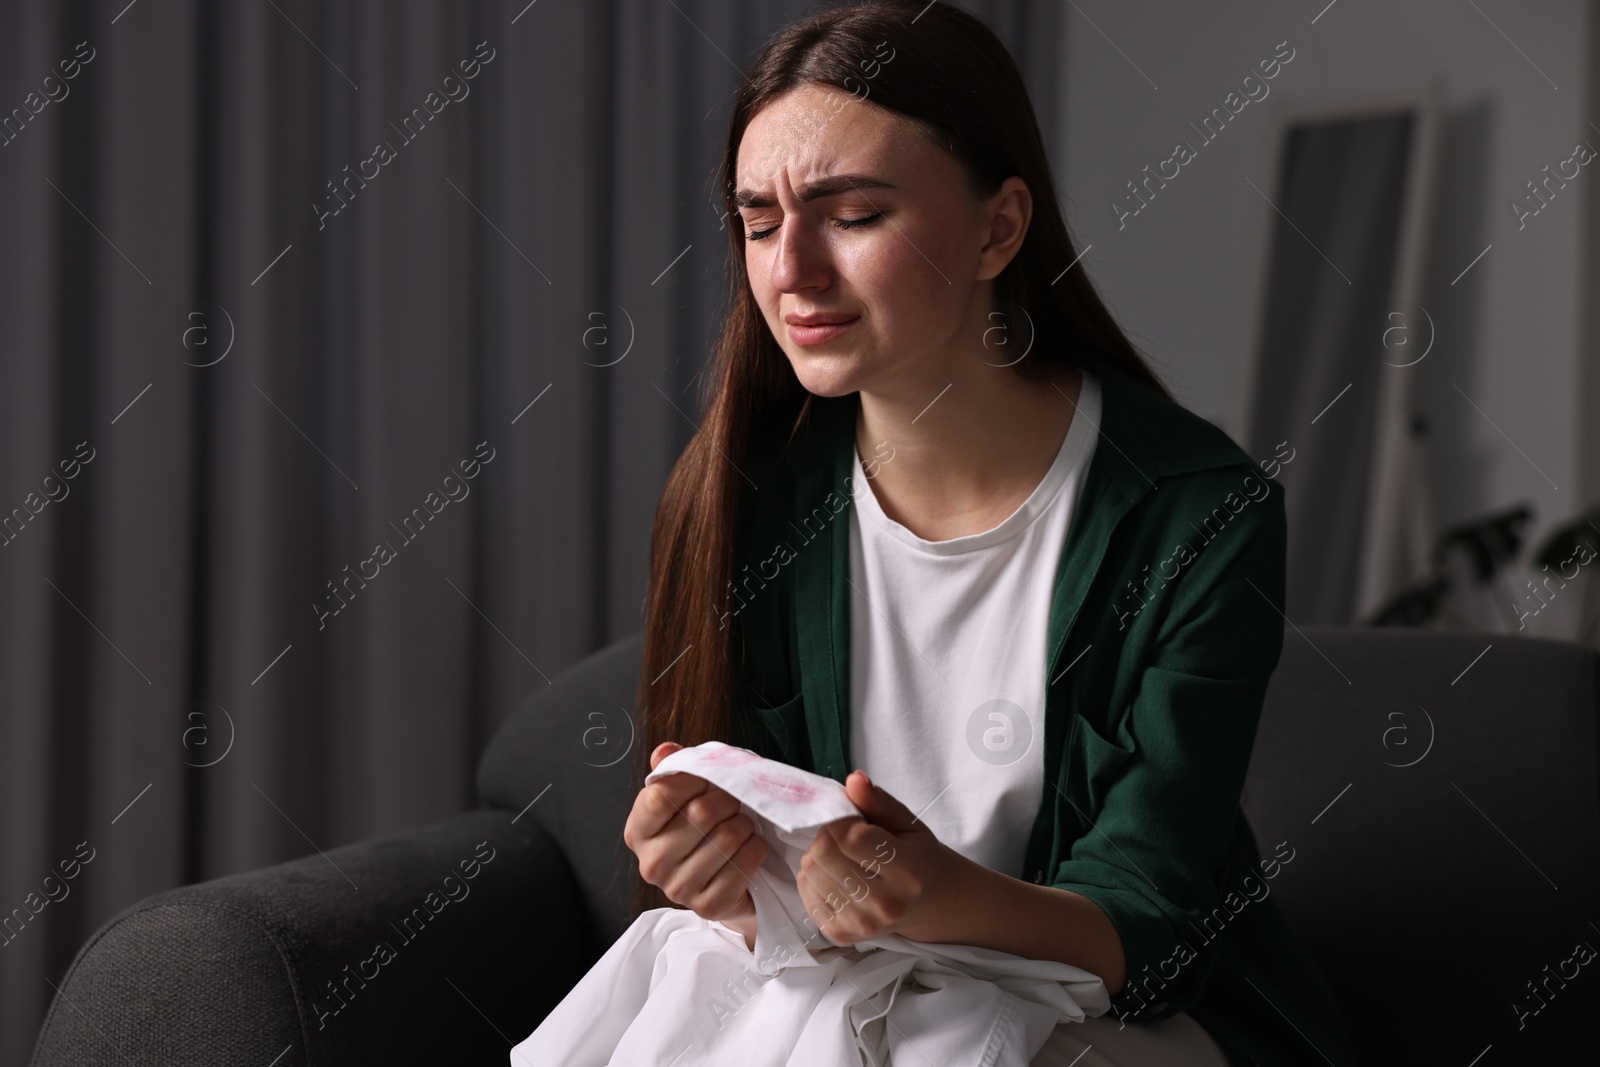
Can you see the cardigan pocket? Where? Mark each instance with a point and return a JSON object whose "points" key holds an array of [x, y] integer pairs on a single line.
{"points": [[1092, 765], [785, 725]]}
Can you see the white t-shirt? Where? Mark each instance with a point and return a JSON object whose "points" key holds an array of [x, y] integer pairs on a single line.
{"points": [[947, 657]]}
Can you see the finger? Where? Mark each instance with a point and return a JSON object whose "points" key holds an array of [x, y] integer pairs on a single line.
{"points": [[705, 810], [724, 894], [866, 847], [878, 805], [685, 827], [824, 904], [686, 800], [660, 802], [842, 875], [681, 788], [710, 854], [662, 751], [677, 790]]}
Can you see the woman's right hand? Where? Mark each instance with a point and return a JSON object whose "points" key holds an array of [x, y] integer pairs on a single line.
{"points": [[694, 843]]}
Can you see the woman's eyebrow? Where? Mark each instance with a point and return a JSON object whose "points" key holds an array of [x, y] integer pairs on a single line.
{"points": [[829, 186]]}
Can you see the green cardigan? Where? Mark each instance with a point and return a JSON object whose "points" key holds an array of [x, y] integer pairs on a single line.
{"points": [[1166, 623]]}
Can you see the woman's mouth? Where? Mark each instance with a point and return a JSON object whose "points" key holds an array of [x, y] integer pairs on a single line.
{"points": [[819, 334]]}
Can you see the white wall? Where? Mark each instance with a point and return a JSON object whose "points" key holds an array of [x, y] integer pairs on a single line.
{"points": [[1184, 275]]}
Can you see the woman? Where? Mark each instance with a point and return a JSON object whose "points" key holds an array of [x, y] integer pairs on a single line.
{"points": [[942, 525]]}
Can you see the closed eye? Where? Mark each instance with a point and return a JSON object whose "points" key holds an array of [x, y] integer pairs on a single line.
{"points": [[843, 224]]}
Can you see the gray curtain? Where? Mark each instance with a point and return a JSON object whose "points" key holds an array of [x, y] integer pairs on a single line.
{"points": [[242, 350]]}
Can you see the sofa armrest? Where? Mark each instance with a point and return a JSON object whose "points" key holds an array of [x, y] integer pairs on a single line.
{"points": [[447, 944]]}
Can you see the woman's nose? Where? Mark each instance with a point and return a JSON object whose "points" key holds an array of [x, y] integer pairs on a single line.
{"points": [[801, 260]]}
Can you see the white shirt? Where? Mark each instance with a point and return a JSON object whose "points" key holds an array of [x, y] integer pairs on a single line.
{"points": [[679, 989], [947, 657]]}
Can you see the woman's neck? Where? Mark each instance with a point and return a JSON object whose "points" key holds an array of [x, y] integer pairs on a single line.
{"points": [[967, 453]]}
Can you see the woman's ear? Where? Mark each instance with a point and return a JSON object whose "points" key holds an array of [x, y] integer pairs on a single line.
{"points": [[1009, 212]]}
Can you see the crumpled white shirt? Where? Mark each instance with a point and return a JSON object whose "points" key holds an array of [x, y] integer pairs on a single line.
{"points": [[676, 989]]}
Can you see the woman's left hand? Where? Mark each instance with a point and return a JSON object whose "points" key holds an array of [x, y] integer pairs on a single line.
{"points": [[884, 873]]}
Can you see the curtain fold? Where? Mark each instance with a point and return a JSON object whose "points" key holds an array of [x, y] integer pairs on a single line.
{"points": [[338, 297]]}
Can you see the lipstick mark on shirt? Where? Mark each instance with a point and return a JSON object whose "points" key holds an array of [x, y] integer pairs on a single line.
{"points": [[729, 757], [796, 791]]}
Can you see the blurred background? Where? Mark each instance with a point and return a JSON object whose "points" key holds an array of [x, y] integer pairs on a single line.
{"points": [[283, 282]]}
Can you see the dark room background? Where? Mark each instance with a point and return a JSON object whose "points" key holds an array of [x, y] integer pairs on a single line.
{"points": [[245, 349], [345, 349]]}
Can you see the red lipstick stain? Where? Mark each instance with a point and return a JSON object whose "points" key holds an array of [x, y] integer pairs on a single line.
{"points": [[729, 757], [790, 789]]}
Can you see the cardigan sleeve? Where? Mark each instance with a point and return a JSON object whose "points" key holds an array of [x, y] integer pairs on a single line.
{"points": [[1166, 821]]}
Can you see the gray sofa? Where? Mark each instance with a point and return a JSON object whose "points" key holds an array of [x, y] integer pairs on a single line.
{"points": [[1443, 811]]}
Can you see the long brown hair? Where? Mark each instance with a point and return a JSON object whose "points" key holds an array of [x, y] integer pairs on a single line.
{"points": [[954, 77]]}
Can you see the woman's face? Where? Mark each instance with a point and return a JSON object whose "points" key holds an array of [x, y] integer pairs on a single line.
{"points": [[849, 213]]}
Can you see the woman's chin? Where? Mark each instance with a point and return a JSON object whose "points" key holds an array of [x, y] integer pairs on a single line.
{"points": [[826, 375]]}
